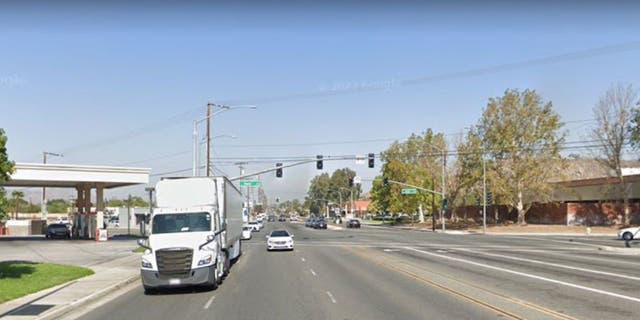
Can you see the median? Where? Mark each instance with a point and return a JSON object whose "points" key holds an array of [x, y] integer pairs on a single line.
{"points": [[20, 278]]}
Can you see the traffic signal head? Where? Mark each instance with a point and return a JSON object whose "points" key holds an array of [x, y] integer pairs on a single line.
{"points": [[372, 160], [278, 170], [350, 182], [319, 162], [489, 197], [385, 182]]}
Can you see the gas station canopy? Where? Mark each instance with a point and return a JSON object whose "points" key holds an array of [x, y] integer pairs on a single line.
{"points": [[84, 179], [74, 176]]}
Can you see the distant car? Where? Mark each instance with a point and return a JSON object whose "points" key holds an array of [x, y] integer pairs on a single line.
{"points": [[309, 223], [58, 230], [280, 240], [114, 221], [293, 218], [629, 233], [255, 225], [320, 224], [282, 218], [353, 223], [271, 218], [246, 232]]}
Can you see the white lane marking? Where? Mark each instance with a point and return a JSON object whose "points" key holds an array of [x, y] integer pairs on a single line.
{"points": [[390, 250], [208, 304], [303, 260], [313, 272], [532, 276], [560, 241], [554, 265], [331, 297]]}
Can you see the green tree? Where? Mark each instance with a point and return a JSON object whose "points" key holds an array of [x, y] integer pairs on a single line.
{"points": [[521, 135], [57, 206], [17, 197], [416, 161], [6, 169], [136, 201]]}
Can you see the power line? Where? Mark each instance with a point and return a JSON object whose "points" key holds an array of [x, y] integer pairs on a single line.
{"points": [[575, 55]]}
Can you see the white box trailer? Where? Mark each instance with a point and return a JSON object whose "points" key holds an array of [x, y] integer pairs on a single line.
{"points": [[195, 233]]}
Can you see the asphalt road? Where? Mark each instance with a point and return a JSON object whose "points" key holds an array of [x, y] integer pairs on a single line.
{"points": [[394, 274]]}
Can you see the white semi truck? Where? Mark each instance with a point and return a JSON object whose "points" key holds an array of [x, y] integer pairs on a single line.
{"points": [[194, 234]]}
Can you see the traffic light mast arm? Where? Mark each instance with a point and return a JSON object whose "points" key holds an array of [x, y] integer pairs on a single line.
{"points": [[412, 186], [271, 169]]}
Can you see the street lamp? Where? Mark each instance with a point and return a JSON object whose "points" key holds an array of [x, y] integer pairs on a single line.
{"points": [[223, 108], [43, 205]]}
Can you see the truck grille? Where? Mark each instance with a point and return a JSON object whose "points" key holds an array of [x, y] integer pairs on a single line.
{"points": [[174, 261]]}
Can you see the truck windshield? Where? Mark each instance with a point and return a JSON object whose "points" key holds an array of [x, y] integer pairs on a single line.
{"points": [[181, 222]]}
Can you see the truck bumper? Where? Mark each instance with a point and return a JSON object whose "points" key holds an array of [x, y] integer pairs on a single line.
{"points": [[199, 276]]}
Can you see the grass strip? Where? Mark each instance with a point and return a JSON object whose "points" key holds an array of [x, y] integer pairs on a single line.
{"points": [[20, 278]]}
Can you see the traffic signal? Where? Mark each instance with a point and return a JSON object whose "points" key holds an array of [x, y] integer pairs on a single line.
{"points": [[279, 170], [489, 197], [372, 160], [385, 182], [478, 201], [350, 182], [319, 162], [444, 204]]}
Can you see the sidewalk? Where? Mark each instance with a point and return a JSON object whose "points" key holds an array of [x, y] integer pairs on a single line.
{"points": [[492, 231], [54, 302]]}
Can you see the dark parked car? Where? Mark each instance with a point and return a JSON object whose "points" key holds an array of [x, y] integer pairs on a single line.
{"points": [[353, 223], [320, 224], [58, 230], [282, 218], [271, 218]]}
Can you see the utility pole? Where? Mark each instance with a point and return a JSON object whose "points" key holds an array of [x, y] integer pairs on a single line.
{"points": [[144, 222], [209, 138], [484, 192], [433, 207], [444, 197], [43, 205], [241, 167]]}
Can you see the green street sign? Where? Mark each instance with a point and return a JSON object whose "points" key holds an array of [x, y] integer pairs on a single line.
{"points": [[250, 183], [409, 191]]}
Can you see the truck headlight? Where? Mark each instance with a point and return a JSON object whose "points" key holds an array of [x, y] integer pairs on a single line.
{"points": [[146, 264], [205, 260]]}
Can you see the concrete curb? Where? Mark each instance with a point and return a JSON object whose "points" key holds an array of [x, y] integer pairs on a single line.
{"points": [[63, 309]]}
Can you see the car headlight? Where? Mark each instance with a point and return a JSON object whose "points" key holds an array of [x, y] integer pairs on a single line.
{"points": [[146, 264], [206, 260]]}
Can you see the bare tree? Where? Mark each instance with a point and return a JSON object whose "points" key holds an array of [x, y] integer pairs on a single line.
{"points": [[613, 115]]}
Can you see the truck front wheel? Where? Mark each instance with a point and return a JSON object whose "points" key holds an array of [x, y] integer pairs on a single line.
{"points": [[227, 265], [213, 278]]}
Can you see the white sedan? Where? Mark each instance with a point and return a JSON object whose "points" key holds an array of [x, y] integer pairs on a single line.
{"points": [[629, 233], [246, 232], [280, 240], [255, 225]]}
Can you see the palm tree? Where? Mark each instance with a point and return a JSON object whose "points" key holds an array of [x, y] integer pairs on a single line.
{"points": [[17, 198]]}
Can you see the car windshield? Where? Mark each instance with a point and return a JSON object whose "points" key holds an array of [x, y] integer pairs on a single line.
{"points": [[246, 228], [279, 233], [57, 226], [181, 222]]}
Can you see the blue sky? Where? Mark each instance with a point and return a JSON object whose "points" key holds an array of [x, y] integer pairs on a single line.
{"points": [[120, 84]]}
